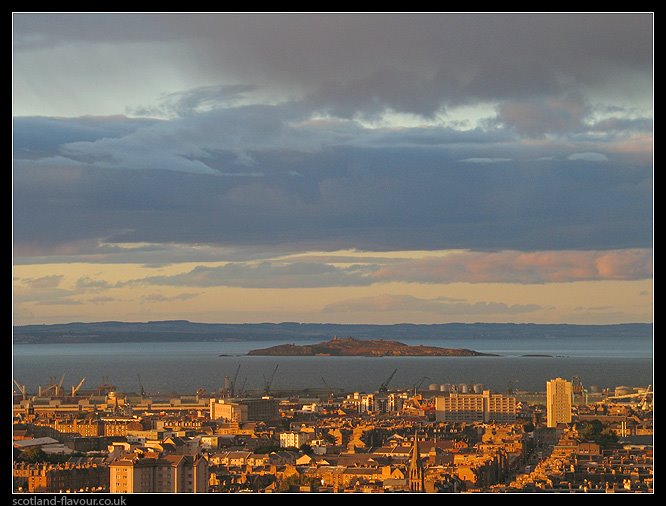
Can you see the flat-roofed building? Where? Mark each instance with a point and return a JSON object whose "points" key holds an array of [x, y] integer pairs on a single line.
{"points": [[228, 411], [558, 402], [169, 474], [482, 407], [294, 439]]}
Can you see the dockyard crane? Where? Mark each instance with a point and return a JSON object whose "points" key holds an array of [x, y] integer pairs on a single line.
{"points": [[384, 386], [328, 387], [418, 384], [232, 389], [22, 389], [78, 387], [241, 390], [56, 387], [142, 391], [268, 382]]}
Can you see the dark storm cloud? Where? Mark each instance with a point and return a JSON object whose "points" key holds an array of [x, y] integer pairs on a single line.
{"points": [[350, 64], [344, 197], [252, 162]]}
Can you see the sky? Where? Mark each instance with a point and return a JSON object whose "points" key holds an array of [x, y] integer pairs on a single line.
{"points": [[349, 168]]}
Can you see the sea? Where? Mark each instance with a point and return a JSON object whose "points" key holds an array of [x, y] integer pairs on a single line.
{"points": [[183, 368]]}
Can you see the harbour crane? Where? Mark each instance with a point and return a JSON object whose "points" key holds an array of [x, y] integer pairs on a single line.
{"points": [[142, 390], [328, 387], [76, 388], [384, 386], [418, 384], [232, 389], [268, 382], [56, 387], [241, 390], [22, 389]]}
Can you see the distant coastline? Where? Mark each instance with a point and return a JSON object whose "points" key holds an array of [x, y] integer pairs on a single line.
{"points": [[185, 331]]}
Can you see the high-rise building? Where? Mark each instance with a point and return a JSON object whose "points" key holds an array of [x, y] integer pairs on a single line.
{"points": [[558, 402], [483, 407]]}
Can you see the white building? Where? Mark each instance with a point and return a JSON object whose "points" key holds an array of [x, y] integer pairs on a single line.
{"points": [[294, 439]]}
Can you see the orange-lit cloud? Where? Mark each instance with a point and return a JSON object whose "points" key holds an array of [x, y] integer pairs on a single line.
{"points": [[522, 267]]}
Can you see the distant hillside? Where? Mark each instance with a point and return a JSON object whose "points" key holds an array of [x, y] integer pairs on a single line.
{"points": [[182, 330]]}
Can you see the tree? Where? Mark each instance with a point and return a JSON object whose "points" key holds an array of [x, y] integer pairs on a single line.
{"points": [[307, 449], [33, 455]]}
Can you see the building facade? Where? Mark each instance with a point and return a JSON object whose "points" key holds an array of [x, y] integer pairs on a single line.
{"points": [[62, 477], [294, 439], [228, 411], [558, 402], [483, 407], [170, 474]]}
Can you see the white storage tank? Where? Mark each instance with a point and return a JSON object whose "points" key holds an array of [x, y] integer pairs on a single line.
{"points": [[446, 387], [478, 388], [433, 387], [463, 388], [622, 390]]}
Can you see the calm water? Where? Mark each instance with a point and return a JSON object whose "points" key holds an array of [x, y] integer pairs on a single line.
{"points": [[178, 367]]}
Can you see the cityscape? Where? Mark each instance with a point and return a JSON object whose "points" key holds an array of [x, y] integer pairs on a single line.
{"points": [[331, 253], [430, 438]]}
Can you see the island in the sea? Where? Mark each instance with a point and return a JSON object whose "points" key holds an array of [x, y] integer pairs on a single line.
{"points": [[350, 347]]}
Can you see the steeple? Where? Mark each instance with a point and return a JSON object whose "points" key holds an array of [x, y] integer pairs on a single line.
{"points": [[416, 468]]}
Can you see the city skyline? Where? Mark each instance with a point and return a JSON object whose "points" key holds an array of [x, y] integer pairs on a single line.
{"points": [[333, 168]]}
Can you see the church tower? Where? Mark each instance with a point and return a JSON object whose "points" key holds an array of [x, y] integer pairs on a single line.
{"points": [[416, 469]]}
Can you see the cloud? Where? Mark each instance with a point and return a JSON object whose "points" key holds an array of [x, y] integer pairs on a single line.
{"points": [[408, 303], [43, 282], [58, 302], [87, 283], [350, 64], [360, 188], [266, 275], [588, 157], [101, 300], [203, 98], [536, 117], [485, 160], [522, 267], [623, 125], [38, 136], [311, 271], [158, 297]]}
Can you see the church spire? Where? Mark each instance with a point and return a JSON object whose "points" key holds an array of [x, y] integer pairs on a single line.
{"points": [[416, 468]]}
